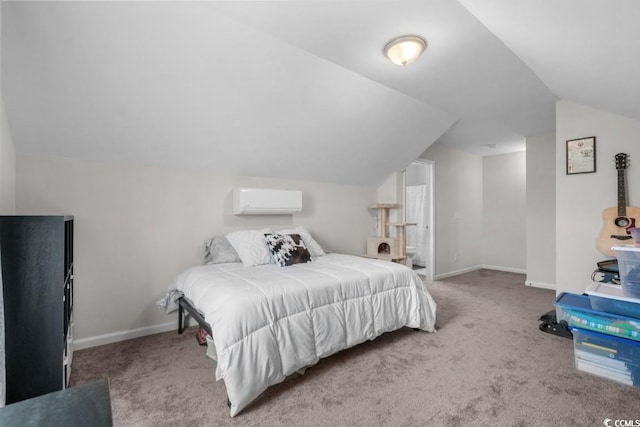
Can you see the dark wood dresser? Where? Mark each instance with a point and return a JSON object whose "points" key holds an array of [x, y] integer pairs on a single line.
{"points": [[36, 254]]}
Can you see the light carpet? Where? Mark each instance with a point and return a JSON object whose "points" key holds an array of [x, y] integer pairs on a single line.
{"points": [[488, 365]]}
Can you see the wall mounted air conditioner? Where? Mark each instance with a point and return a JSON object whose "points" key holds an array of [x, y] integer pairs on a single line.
{"points": [[262, 201]]}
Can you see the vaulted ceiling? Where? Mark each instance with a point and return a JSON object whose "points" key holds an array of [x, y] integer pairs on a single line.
{"points": [[300, 89]]}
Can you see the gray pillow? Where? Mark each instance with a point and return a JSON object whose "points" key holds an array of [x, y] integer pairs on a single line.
{"points": [[218, 250]]}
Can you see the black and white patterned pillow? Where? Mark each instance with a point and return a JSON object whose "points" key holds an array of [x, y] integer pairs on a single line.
{"points": [[287, 249]]}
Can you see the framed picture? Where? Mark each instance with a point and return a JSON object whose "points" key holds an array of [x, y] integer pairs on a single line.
{"points": [[581, 155]]}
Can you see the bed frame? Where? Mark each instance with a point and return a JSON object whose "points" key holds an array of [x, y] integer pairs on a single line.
{"points": [[183, 305]]}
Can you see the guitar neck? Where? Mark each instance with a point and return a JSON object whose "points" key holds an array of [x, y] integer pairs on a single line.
{"points": [[622, 194]]}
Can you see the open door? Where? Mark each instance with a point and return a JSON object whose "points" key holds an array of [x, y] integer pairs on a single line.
{"points": [[418, 209]]}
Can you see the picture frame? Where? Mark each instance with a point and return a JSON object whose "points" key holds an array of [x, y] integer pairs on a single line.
{"points": [[581, 155]]}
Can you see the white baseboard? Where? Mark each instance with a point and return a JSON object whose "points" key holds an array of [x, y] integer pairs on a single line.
{"points": [[455, 273], [540, 285], [478, 267], [505, 269], [123, 335]]}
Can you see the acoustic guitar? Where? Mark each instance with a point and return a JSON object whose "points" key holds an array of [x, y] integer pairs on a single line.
{"points": [[616, 221]]}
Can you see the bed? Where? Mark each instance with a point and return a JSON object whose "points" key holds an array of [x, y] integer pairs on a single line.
{"points": [[268, 321]]}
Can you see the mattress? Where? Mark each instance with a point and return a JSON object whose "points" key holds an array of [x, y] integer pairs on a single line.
{"points": [[269, 321]]}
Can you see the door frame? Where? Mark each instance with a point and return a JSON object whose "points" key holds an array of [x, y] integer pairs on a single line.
{"points": [[430, 214]]}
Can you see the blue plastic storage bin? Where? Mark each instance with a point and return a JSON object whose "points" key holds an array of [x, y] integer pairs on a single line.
{"points": [[579, 312], [617, 359], [608, 297]]}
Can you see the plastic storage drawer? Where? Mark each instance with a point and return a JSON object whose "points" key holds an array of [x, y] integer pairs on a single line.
{"points": [[578, 312], [629, 266], [609, 357], [609, 298]]}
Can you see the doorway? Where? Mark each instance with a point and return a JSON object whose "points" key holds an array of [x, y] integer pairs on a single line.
{"points": [[418, 209]]}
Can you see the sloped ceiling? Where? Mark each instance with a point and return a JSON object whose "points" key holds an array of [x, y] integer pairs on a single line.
{"points": [[300, 89], [466, 71], [585, 51]]}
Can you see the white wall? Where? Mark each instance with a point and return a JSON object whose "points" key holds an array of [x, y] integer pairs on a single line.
{"points": [[458, 209], [541, 211], [7, 166], [504, 191], [390, 191], [7, 158], [580, 199], [414, 175], [137, 228]]}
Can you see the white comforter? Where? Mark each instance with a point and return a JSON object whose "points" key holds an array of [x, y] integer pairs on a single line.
{"points": [[271, 321]]}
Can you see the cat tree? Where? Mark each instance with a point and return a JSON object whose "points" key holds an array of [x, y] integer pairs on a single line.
{"points": [[384, 247]]}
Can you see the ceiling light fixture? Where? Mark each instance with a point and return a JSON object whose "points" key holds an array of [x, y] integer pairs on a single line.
{"points": [[404, 50]]}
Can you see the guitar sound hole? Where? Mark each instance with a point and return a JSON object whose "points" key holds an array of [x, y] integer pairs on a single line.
{"points": [[622, 222]]}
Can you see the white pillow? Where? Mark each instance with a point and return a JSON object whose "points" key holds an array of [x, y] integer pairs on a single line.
{"points": [[251, 246], [314, 247]]}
